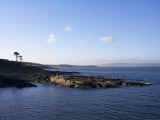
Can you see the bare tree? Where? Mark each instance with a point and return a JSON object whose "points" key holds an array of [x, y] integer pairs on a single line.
{"points": [[16, 55]]}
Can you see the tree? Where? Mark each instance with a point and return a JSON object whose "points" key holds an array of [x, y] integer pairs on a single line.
{"points": [[21, 58], [16, 55]]}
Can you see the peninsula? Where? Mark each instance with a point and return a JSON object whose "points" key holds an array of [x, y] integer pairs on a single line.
{"points": [[22, 74]]}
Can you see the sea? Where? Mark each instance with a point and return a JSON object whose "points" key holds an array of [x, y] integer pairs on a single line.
{"points": [[48, 102]]}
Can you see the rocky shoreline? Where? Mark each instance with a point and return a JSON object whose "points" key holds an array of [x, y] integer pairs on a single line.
{"points": [[91, 82], [13, 74]]}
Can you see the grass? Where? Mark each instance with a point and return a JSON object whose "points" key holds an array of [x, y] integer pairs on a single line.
{"points": [[25, 71]]}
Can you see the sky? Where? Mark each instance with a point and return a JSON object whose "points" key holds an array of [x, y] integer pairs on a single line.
{"points": [[80, 32]]}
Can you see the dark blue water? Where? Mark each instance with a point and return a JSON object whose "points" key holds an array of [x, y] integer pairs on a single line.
{"points": [[53, 103], [150, 74]]}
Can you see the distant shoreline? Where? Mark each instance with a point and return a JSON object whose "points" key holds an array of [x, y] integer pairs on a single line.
{"points": [[17, 74]]}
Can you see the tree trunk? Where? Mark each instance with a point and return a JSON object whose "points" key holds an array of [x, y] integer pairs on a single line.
{"points": [[16, 58]]}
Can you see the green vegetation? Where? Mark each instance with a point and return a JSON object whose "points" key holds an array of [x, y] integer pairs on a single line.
{"points": [[17, 55], [22, 71]]}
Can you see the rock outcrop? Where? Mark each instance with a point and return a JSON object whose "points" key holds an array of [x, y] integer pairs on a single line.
{"points": [[91, 82]]}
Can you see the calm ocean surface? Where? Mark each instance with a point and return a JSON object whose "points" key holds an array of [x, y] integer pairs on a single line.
{"points": [[54, 103]]}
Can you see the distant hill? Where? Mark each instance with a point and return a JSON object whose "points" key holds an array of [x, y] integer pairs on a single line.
{"points": [[132, 64], [67, 65]]}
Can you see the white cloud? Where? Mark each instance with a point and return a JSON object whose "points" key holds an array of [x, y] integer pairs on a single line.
{"points": [[106, 39], [68, 28], [51, 38]]}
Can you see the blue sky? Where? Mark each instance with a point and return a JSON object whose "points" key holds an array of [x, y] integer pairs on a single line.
{"points": [[80, 32]]}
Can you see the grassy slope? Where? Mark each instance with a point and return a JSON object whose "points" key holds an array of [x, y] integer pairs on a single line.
{"points": [[23, 71]]}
